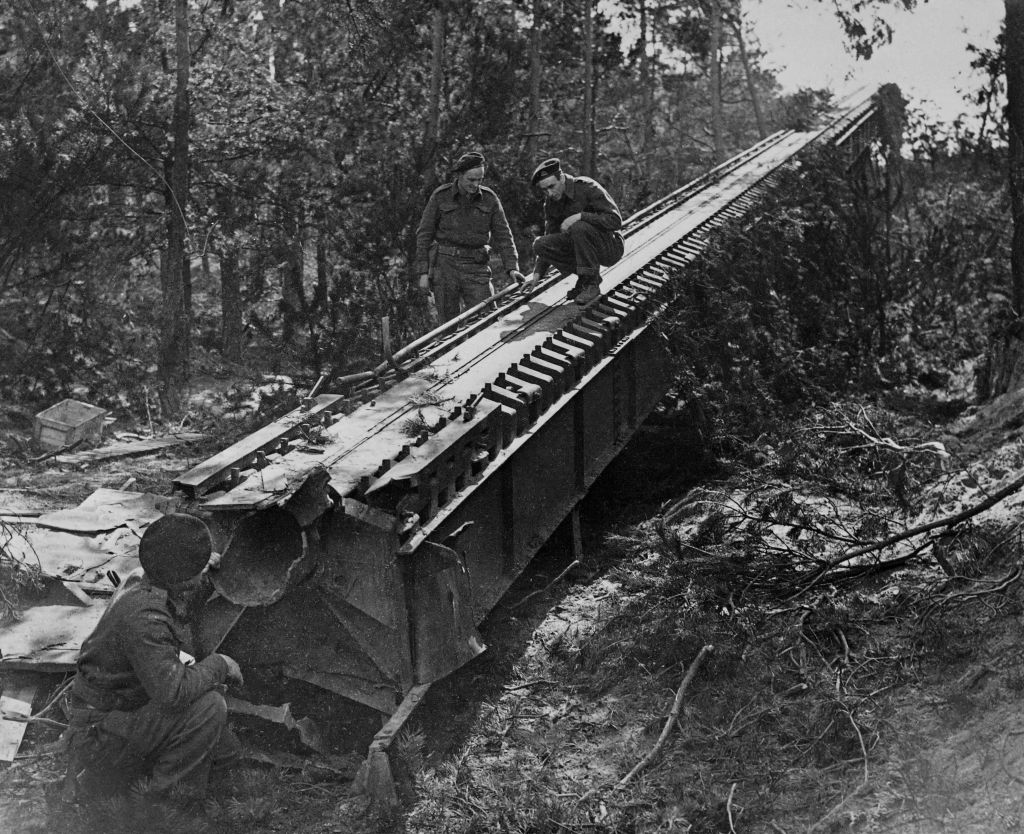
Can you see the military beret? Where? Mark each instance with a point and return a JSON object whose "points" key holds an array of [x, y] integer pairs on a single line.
{"points": [[175, 548], [467, 162], [548, 168]]}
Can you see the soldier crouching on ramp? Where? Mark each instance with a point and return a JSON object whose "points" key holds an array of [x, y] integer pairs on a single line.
{"points": [[581, 230]]}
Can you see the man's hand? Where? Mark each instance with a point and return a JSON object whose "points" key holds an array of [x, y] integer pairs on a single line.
{"points": [[234, 671], [424, 283], [529, 282], [516, 276], [570, 220]]}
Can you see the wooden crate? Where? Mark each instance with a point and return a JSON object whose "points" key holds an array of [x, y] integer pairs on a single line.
{"points": [[67, 422]]}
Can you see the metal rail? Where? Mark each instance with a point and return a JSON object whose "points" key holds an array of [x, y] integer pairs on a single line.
{"points": [[245, 459]]}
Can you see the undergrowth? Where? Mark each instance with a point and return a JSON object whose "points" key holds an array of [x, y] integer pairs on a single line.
{"points": [[832, 288], [800, 717]]}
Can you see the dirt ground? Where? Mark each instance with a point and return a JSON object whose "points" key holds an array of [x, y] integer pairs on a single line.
{"points": [[889, 704]]}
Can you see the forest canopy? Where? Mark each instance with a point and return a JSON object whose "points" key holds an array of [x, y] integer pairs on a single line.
{"points": [[186, 184]]}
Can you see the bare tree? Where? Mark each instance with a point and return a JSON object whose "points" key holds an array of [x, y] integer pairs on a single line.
{"points": [[589, 129], [230, 306], [533, 123], [717, 115], [646, 80], [748, 72], [175, 278], [433, 126], [1015, 118]]}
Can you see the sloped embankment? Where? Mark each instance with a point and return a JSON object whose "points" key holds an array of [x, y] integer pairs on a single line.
{"points": [[870, 693]]}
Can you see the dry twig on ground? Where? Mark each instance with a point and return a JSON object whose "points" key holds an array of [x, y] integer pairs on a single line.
{"points": [[998, 585], [673, 715], [574, 563]]}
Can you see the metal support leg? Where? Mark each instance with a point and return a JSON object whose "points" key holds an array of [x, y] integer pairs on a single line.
{"points": [[374, 777], [577, 535]]}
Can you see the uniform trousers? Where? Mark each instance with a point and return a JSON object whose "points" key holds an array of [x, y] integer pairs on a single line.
{"points": [[180, 749], [583, 249], [459, 280]]}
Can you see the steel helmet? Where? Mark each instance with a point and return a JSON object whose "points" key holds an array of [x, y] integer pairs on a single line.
{"points": [[175, 548]]}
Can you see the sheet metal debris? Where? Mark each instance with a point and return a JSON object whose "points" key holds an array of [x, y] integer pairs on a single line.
{"points": [[83, 552], [309, 733], [15, 711], [106, 509], [47, 638]]}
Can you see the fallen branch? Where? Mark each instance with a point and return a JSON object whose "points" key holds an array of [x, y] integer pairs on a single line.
{"points": [[860, 571], [677, 705], [53, 453], [53, 701], [962, 596], [728, 808], [948, 521], [877, 440], [863, 748], [574, 563], [528, 684]]}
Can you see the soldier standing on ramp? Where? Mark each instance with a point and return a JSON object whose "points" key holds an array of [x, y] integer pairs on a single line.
{"points": [[453, 242]]}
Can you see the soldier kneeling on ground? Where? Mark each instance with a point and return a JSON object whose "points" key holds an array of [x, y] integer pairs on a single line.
{"points": [[141, 707]]}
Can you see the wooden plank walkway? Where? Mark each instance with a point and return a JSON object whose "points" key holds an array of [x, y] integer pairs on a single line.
{"points": [[128, 448]]}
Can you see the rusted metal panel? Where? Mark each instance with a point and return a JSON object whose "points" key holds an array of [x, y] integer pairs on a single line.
{"points": [[309, 633], [442, 621], [268, 553], [517, 505], [340, 620]]}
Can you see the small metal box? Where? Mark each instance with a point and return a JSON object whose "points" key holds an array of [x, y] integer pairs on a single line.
{"points": [[67, 422]]}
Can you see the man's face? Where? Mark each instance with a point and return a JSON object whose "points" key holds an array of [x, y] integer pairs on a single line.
{"points": [[552, 187], [469, 181]]}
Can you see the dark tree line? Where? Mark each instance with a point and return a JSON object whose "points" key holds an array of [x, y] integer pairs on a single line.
{"points": [[241, 178]]}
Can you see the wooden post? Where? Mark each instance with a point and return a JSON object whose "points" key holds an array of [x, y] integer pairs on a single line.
{"points": [[577, 534]]}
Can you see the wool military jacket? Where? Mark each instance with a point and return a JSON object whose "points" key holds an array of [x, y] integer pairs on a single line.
{"points": [[586, 197], [471, 221], [132, 656]]}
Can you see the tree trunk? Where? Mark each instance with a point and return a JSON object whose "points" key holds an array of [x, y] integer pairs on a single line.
{"points": [[717, 118], [293, 294], [640, 158], [748, 74], [646, 83], [1015, 118], [589, 132], [230, 307], [176, 283], [533, 125], [319, 304], [433, 126], [1003, 369]]}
